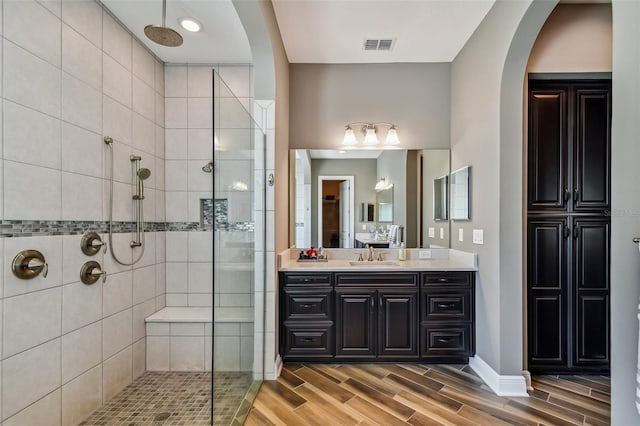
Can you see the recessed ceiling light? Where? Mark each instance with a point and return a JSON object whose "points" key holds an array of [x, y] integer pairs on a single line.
{"points": [[190, 24]]}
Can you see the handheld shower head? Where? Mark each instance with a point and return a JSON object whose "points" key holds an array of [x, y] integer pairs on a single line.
{"points": [[144, 173]]}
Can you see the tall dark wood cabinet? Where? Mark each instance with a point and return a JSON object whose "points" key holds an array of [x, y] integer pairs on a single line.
{"points": [[568, 225]]}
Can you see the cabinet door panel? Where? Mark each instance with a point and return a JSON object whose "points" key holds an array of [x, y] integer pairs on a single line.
{"points": [[312, 305], [442, 341], [592, 255], [442, 304], [547, 329], [592, 335], [398, 318], [547, 247], [592, 184], [355, 325], [547, 175], [308, 341]]}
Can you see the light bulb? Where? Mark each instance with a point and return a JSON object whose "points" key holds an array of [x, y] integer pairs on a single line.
{"points": [[190, 24], [370, 137], [349, 137], [392, 137]]}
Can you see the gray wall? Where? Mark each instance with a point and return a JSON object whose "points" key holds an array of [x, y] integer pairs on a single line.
{"points": [[364, 182], [393, 166], [625, 222], [435, 164], [325, 97]]}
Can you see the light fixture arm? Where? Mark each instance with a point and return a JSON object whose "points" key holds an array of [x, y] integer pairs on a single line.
{"points": [[164, 13]]}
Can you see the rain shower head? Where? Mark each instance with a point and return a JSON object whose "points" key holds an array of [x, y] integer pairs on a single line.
{"points": [[208, 168], [162, 34], [144, 173]]}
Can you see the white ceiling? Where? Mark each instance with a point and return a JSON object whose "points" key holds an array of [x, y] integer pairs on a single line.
{"points": [[222, 39], [314, 31], [333, 31]]}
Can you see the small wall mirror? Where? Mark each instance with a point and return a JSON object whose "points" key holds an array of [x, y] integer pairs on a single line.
{"points": [[461, 194], [384, 201], [440, 198], [367, 212]]}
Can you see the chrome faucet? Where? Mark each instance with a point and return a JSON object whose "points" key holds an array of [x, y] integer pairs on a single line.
{"points": [[370, 248]]}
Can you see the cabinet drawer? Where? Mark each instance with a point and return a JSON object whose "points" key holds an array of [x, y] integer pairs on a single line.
{"points": [[448, 278], [311, 341], [314, 305], [446, 306], [306, 279], [385, 279], [442, 341]]}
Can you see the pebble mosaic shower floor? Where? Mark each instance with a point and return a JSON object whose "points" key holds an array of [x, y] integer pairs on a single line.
{"points": [[177, 398]]}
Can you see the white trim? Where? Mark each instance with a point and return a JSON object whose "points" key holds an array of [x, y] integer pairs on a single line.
{"points": [[501, 385], [352, 203]]}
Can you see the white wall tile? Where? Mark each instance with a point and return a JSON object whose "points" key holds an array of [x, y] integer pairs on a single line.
{"points": [[175, 113], [203, 300], [199, 81], [30, 81], [20, 204], [159, 113], [177, 299], [158, 353], [200, 246], [139, 358], [227, 353], [51, 249], [161, 249], [177, 277], [236, 144], [81, 104], [81, 151], [246, 353], [227, 329], [144, 99], [20, 20], [144, 135], [85, 17], [143, 64], [122, 250], [45, 411], [144, 284], [116, 41], [117, 373], [29, 376], [176, 144], [200, 144], [175, 202], [176, 175], [81, 397], [200, 113], [159, 73], [53, 6], [81, 350], [30, 136], [187, 329], [117, 333], [238, 79], [160, 206], [140, 312], [175, 81], [117, 292], [31, 319], [161, 279], [81, 58], [158, 329], [235, 300], [81, 305], [200, 277], [116, 81], [81, 197], [122, 205], [160, 142], [117, 120], [187, 353]]}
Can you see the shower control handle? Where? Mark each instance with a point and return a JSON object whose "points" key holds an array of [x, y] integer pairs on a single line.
{"points": [[91, 272], [28, 264], [91, 244]]}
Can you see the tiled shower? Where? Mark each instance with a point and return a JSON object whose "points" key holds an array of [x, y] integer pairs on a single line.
{"points": [[68, 348]]}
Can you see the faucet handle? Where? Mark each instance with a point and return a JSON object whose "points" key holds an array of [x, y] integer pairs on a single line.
{"points": [[360, 258]]}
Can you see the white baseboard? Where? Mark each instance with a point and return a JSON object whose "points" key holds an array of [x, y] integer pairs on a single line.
{"points": [[501, 385]]}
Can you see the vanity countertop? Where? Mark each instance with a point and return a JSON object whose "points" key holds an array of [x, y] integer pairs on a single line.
{"points": [[341, 259]]}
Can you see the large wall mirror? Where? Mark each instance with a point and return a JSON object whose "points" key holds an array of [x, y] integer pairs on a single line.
{"points": [[337, 200]]}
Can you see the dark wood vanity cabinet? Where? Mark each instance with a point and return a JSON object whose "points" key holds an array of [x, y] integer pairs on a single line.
{"points": [[378, 316]]}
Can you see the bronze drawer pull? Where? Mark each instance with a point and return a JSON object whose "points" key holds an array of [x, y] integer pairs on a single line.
{"points": [[309, 305], [444, 339], [308, 339], [446, 305]]}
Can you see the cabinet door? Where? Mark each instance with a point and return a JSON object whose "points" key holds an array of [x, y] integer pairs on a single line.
{"points": [[547, 291], [591, 287], [355, 323], [398, 319], [592, 158], [548, 152]]}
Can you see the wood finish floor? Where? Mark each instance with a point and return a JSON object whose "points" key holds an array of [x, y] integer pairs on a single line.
{"points": [[400, 394]]}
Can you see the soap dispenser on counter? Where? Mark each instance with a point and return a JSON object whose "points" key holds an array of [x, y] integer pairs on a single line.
{"points": [[402, 252]]}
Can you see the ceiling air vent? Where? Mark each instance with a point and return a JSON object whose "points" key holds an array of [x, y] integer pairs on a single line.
{"points": [[378, 44]]}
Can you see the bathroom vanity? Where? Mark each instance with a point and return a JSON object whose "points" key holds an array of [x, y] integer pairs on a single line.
{"points": [[348, 311]]}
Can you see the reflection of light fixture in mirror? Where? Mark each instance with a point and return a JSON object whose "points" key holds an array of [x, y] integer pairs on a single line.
{"points": [[382, 184], [370, 131], [190, 24], [239, 186]]}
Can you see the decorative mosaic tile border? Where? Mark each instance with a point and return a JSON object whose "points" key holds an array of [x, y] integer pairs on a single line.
{"points": [[34, 228]]}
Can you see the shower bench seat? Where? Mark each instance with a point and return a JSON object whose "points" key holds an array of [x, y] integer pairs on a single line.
{"points": [[180, 339]]}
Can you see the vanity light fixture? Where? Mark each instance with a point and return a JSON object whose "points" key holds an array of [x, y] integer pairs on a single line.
{"points": [[382, 184], [190, 24], [370, 131]]}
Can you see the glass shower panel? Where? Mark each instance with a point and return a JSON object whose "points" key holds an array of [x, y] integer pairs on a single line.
{"points": [[238, 219]]}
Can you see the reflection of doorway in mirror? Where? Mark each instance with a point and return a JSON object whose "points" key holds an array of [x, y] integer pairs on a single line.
{"points": [[302, 202], [335, 221]]}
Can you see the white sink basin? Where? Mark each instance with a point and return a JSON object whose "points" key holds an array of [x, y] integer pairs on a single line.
{"points": [[374, 263]]}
